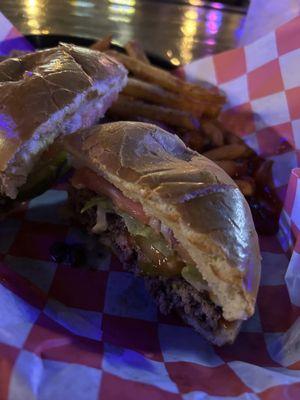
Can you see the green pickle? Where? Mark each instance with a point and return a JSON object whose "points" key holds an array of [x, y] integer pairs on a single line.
{"points": [[157, 263], [44, 176], [159, 259], [148, 268]]}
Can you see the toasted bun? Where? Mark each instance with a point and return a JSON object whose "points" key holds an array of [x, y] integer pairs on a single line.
{"points": [[46, 93], [188, 193]]}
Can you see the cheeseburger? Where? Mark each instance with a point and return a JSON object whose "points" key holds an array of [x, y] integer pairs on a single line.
{"points": [[174, 218]]}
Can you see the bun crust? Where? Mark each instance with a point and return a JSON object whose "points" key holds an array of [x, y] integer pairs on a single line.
{"points": [[43, 88], [190, 194]]}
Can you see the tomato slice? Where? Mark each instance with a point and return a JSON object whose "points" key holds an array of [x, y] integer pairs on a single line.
{"points": [[84, 177]]}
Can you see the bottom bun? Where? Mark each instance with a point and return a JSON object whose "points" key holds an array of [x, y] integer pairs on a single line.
{"points": [[225, 335]]}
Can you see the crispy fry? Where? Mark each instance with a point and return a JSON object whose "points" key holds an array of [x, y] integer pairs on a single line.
{"points": [[102, 44], [234, 168], [128, 108], [213, 131], [156, 95], [195, 139], [231, 138], [134, 49], [192, 139], [228, 136], [212, 102], [263, 175], [229, 166], [228, 152], [246, 186]]}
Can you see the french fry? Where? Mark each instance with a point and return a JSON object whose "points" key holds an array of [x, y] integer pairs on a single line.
{"points": [[156, 95], [246, 186], [263, 175], [192, 139], [128, 108], [213, 131], [229, 166], [228, 152], [102, 44], [195, 139], [231, 138], [212, 102], [134, 49]]}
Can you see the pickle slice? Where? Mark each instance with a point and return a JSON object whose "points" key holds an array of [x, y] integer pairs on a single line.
{"points": [[44, 176], [155, 263]]}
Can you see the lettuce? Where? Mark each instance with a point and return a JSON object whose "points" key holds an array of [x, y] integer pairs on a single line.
{"points": [[136, 228], [103, 202], [191, 274]]}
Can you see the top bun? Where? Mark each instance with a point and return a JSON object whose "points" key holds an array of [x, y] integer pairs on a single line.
{"points": [[190, 194]]}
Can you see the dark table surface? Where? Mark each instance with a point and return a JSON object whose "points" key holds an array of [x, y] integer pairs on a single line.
{"points": [[180, 30]]}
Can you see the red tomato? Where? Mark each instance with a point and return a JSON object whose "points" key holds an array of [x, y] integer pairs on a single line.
{"points": [[89, 179]]}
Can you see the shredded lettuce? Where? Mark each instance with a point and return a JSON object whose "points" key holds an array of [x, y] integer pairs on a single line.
{"points": [[103, 202], [191, 274], [136, 228]]}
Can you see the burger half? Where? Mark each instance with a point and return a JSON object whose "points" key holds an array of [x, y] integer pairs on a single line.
{"points": [[44, 95], [174, 218]]}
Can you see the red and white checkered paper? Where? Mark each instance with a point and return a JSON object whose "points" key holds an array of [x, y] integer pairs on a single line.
{"points": [[77, 333]]}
